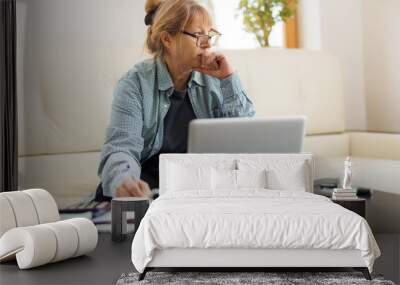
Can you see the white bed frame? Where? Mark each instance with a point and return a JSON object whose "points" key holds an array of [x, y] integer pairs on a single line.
{"points": [[234, 257], [251, 258], [256, 258]]}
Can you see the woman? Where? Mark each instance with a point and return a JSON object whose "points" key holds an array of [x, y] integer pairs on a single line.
{"points": [[154, 102]]}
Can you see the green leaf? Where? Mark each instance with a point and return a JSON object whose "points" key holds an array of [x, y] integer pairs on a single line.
{"points": [[259, 16]]}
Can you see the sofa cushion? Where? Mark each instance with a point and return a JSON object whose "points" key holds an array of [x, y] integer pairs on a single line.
{"points": [[283, 82], [330, 145], [280, 82], [375, 145]]}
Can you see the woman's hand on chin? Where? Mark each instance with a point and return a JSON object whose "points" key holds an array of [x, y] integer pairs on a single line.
{"points": [[214, 64]]}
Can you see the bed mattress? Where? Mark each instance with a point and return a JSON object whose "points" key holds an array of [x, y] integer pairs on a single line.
{"points": [[250, 219]]}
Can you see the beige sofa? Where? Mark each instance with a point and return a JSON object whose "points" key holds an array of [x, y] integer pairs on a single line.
{"points": [[62, 134]]}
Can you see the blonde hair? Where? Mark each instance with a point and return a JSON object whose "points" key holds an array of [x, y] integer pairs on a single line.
{"points": [[170, 16]]}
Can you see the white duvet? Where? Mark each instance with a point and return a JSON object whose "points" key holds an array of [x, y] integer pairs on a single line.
{"points": [[250, 218]]}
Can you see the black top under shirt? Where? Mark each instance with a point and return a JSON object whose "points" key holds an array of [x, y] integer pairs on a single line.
{"points": [[176, 123]]}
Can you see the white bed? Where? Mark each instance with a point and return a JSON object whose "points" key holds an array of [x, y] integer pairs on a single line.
{"points": [[236, 210]]}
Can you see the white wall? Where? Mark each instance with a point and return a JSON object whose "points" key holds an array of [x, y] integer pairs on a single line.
{"points": [[382, 64], [309, 22], [336, 27], [70, 56], [364, 35], [342, 35]]}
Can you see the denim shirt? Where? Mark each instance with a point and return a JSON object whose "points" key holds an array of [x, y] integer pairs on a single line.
{"points": [[140, 103]]}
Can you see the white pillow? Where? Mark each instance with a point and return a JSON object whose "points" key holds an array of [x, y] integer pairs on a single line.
{"points": [[188, 177], [251, 178], [281, 174], [223, 179], [293, 178], [228, 179]]}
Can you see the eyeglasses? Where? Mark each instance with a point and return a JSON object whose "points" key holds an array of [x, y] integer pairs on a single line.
{"points": [[203, 40]]}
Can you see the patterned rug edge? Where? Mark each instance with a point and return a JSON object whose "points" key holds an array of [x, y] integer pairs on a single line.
{"points": [[269, 278]]}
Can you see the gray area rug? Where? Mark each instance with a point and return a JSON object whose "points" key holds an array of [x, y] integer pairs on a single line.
{"points": [[230, 278]]}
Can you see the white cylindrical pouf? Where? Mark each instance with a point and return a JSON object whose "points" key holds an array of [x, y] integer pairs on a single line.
{"points": [[67, 239], [35, 245], [45, 205], [7, 218], [23, 208], [87, 235], [40, 244]]}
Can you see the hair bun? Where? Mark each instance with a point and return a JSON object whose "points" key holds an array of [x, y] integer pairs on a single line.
{"points": [[148, 19]]}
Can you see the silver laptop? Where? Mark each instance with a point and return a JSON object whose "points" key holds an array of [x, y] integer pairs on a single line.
{"points": [[247, 135]]}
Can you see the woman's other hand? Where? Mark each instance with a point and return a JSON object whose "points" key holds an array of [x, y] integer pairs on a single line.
{"points": [[130, 187], [214, 64]]}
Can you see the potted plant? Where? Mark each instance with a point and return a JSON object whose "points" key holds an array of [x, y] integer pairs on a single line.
{"points": [[259, 16]]}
